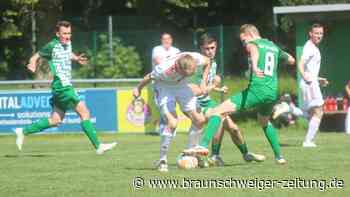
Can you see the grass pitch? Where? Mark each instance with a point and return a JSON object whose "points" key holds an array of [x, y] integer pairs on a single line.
{"points": [[66, 165]]}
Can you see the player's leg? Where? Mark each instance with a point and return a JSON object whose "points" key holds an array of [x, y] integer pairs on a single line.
{"points": [[238, 139], [194, 134], [313, 103], [215, 158], [316, 114], [55, 119], [271, 135], [167, 133], [166, 103], [215, 114], [90, 130]]}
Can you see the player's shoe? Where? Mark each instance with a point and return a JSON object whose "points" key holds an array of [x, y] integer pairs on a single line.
{"points": [[197, 151], [309, 144], [281, 161], [216, 160], [280, 109], [249, 157], [105, 147], [19, 137], [162, 165]]}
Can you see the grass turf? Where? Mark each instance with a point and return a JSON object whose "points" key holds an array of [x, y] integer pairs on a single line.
{"points": [[66, 165]]}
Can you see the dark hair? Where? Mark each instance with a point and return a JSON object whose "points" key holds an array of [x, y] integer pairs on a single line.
{"points": [[315, 25], [165, 33], [206, 38], [62, 24]]}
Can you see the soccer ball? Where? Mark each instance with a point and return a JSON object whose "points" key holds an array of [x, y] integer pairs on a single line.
{"points": [[187, 162]]}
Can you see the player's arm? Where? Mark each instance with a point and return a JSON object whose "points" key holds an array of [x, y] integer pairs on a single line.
{"points": [[306, 55], [217, 83], [288, 58], [206, 69], [146, 80], [301, 68], [81, 58], [253, 52], [33, 62]]}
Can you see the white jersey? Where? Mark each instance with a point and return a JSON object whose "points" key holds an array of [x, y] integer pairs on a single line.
{"points": [[166, 73], [312, 58], [163, 54]]}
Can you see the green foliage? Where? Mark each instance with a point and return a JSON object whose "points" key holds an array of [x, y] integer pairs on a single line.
{"points": [[14, 16], [126, 61]]}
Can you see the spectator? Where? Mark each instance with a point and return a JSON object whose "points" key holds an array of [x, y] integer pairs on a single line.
{"points": [[161, 53], [165, 50]]}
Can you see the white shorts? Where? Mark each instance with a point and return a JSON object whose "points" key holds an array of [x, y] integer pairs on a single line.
{"points": [[167, 96], [311, 95]]}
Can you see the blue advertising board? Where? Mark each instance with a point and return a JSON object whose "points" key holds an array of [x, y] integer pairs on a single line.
{"points": [[21, 108]]}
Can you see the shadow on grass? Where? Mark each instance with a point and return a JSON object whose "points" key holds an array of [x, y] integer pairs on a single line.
{"points": [[289, 145], [26, 155]]}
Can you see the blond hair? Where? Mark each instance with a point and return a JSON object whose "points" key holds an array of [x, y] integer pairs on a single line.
{"points": [[249, 28], [186, 61]]}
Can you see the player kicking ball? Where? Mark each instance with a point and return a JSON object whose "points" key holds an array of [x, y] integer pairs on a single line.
{"points": [[262, 88], [171, 86], [208, 46], [59, 54]]}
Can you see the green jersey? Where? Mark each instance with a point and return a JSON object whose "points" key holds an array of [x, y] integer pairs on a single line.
{"points": [[59, 57], [197, 79], [269, 56]]}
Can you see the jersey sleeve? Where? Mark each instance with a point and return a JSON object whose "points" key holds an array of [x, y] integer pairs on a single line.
{"points": [[307, 53], [176, 50], [283, 55], [155, 52], [156, 74], [46, 51]]}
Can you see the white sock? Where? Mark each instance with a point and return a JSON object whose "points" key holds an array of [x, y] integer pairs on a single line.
{"points": [[193, 136], [314, 124], [347, 122], [165, 140]]}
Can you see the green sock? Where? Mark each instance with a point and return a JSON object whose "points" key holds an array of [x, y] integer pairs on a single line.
{"points": [[212, 127], [90, 131], [36, 127], [215, 148], [271, 135], [243, 148]]}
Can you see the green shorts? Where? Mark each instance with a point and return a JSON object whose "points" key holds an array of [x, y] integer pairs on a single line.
{"points": [[248, 99], [65, 99]]}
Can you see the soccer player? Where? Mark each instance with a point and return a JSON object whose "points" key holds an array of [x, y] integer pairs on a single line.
{"points": [[162, 52], [208, 46], [309, 67], [171, 87], [64, 97], [261, 91]]}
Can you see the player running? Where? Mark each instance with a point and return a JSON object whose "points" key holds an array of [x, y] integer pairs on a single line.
{"points": [[262, 88], [59, 54], [208, 46], [171, 87]]}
